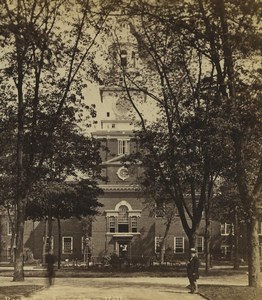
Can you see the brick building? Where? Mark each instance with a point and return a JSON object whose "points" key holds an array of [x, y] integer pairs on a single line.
{"points": [[126, 225]]}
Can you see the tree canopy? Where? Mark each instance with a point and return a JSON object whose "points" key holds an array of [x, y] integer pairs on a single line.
{"points": [[199, 64]]}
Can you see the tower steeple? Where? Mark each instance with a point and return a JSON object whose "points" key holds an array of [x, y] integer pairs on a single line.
{"points": [[117, 111]]}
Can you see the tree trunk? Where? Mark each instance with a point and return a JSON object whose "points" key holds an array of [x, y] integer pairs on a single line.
{"points": [[44, 244], [253, 253], [12, 221], [59, 249], [20, 193], [207, 240], [162, 243], [19, 249], [207, 253], [236, 237], [20, 185], [49, 234], [192, 238], [162, 252]]}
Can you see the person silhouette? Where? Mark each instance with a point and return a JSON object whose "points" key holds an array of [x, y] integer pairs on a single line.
{"points": [[192, 271], [50, 261]]}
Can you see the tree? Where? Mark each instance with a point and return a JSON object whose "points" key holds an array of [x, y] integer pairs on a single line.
{"points": [[7, 169], [62, 200], [44, 59], [226, 35], [229, 33], [71, 154], [161, 206], [180, 151], [226, 207]]}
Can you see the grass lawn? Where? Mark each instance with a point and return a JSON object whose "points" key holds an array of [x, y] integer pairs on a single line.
{"points": [[16, 292], [219, 292]]}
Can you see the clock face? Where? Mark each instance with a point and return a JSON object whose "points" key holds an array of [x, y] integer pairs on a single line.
{"points": [[122, 106], [122, 173]]}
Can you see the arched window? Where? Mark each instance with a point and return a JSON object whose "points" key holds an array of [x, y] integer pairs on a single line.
{"points": [[123, 219]]}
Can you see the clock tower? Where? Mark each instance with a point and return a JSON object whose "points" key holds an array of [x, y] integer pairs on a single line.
{"points": [[118, 228]]}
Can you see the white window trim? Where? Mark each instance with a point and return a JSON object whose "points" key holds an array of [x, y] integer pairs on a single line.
{"points": [[134, 221], [202, 244], [9, 228], [259, 228], [226, 248], [183, 241], [109, 223], [120, 143], [260, 250], [157, 241], [63, 244], [130, 213], [226, 231], [52, 244], [82, 242]]}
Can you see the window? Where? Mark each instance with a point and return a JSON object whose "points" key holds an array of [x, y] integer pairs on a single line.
{"points": [[113, 125], [67, 245], [9, 253], [134, 224], [9, 228], [158, 240], [123, 219], [108, 114], [200, 244], [159, 209], [112, 224], [86, 242], [123, 147], [227, 229], [260, 251], [179, 244], [260, 228], [123, 58], [225, 250], [47, 241]]}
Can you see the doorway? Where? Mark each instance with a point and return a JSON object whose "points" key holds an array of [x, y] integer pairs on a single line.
{"points": [[123, 249]]}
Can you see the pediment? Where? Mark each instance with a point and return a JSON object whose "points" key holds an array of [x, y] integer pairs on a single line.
{"points": [[114, 160]]}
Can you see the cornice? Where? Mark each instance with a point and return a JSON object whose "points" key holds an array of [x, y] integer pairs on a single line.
{"points": [[119, 188]]}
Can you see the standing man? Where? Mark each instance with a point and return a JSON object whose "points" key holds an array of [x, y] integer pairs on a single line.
{"points": [[50, 260], [192, 270]]}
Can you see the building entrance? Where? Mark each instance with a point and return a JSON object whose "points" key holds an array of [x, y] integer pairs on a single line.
{"points": [[123, 248]]}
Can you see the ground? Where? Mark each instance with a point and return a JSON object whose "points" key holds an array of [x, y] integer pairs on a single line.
{"points": [[221, 284]]}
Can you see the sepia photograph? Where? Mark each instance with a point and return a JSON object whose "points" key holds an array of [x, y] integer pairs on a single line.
{"points": [[130, 150]]}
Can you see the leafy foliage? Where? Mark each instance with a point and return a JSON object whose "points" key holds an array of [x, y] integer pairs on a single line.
{"points": [[63, 200]]}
